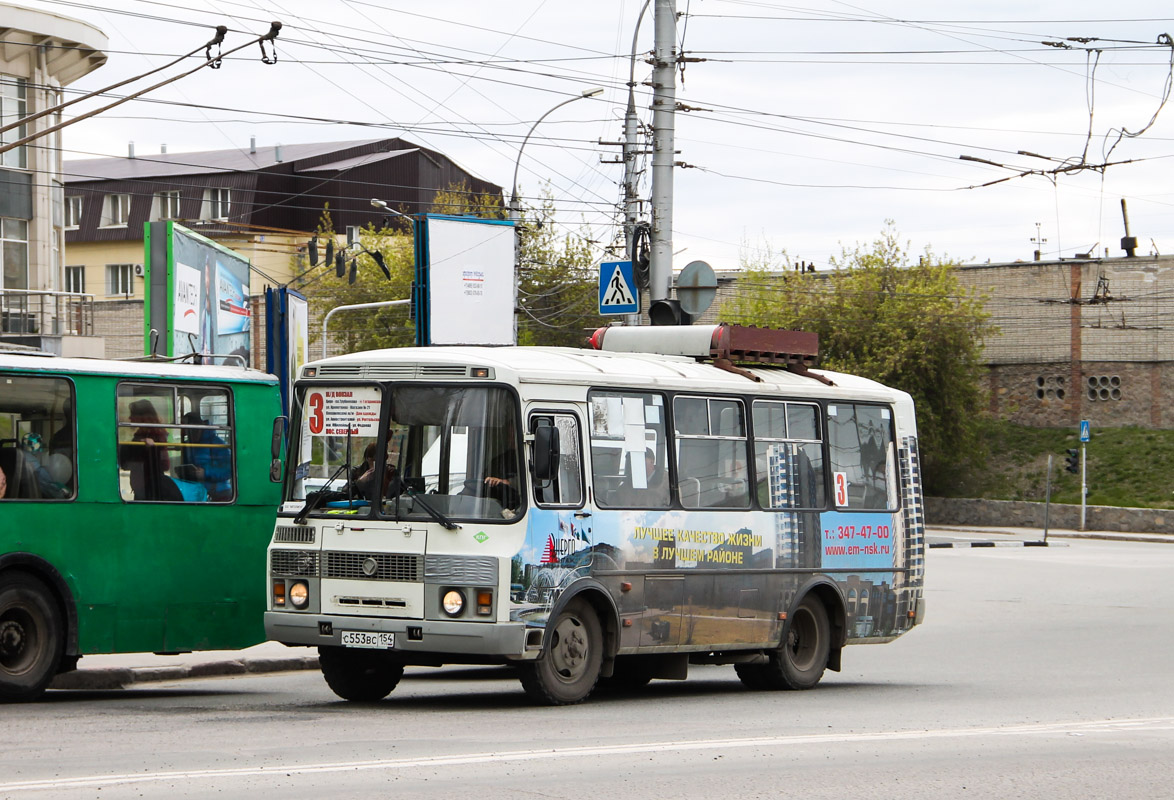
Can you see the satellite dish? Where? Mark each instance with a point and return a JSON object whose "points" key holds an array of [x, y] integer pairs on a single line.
{"points": [[696, 288]]}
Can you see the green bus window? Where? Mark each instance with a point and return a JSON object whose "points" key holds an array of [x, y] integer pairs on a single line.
{"points": [[37, 453], [175, 444]]}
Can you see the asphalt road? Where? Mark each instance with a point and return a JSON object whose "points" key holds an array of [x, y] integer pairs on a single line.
{"points": [[1039, 673]]}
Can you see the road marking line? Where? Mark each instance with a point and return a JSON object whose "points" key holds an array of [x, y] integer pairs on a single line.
{"points": [[106, 781]]}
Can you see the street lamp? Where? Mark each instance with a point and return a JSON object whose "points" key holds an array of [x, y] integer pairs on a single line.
{"points": [[514, 205], [382, 204]]}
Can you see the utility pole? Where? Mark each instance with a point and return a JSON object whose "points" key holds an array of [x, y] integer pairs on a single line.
{"points": [[664, 102], [1083, 484], [630, 144], [631, 198]]}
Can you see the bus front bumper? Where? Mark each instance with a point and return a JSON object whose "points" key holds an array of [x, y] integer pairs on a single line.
{"points": [[504, 639]]}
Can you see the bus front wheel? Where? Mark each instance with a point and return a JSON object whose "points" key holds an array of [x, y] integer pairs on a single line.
{"points": [[31, 638], [800, 660], [362, 676], [569, 666]]}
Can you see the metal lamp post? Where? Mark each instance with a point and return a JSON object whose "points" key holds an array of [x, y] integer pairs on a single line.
{"points": [[514, 209]]}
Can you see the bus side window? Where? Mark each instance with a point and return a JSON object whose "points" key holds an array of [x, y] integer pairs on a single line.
{"points": [[629, 455], [860, 438], [788, 455], [36, 439], [712, 468], [175, 444], [566, 487]]}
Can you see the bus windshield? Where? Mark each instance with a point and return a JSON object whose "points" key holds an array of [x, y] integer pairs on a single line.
{"points": [[447, 450]]}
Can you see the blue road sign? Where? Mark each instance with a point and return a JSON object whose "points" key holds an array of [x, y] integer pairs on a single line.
{"points": [[1085, 430], [617, 288]]}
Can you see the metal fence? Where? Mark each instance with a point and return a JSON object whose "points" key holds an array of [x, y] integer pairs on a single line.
{"points": [[25, 311]]}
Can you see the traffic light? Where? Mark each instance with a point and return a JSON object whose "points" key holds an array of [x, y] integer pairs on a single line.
{"points": [[1072, 461], [668, 312]]}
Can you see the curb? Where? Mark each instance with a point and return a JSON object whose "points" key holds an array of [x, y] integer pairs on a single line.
{"points": [[989, 544], [122, 677], [1059, 533], [1153, 538]]}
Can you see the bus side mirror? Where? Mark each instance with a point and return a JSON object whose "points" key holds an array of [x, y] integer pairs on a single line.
{"points": [[275, 450], [545, 453]]}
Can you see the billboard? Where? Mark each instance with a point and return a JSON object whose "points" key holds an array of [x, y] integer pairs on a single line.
{"points": [[197, 296], [287, 337], [466, 288]]}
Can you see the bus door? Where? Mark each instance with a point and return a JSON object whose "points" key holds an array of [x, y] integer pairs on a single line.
{"points": [[559, 530]]}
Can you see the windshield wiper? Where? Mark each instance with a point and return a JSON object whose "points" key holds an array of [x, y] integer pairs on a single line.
{"points": [[314, 498], [432, 512]]}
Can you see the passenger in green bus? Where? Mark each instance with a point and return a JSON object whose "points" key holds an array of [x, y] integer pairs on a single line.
{"points": [[211, 458], [3, 484], [146, 457], [39, 461]]}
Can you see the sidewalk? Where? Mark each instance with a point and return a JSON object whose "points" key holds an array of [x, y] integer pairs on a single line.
{"points": [[1008, 535], [126, 669]]}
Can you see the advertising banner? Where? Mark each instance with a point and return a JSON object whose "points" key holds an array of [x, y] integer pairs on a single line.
{"points": [[466, 268], [197, 296]]}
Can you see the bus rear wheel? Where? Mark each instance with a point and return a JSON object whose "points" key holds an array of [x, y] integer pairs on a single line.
{"points": [[799, 662], [31, 637], [568, 669], [361, 676]]}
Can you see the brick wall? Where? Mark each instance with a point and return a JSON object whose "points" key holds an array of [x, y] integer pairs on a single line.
{"points": [[120, 322]]}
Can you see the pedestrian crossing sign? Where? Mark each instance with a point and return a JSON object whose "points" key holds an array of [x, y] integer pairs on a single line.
{"points": [[617, 288]]}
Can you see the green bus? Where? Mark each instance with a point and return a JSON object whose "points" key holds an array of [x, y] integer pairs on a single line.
{"points": [[136, 503]]}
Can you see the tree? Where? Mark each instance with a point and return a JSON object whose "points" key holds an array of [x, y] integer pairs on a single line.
{"points": [[910, 326], [325, 290], [556, 277], [558, 302]]}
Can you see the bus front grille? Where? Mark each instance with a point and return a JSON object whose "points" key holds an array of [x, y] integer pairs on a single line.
{"points": [[374, 566], [477, 570], [299, 534], [294, 563]]}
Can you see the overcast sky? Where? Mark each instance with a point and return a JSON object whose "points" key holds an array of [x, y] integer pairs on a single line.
{"points": [[812, 123]]}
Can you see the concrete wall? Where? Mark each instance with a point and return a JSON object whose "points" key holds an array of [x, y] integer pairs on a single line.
{"points": [[1017, 514]]}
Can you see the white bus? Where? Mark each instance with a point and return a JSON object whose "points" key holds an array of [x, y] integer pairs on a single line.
{"points": [[673, 496]]}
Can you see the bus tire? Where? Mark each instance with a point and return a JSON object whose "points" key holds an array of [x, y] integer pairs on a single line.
{"points": [[754, 676], [568, 669], [361, 676], [32, 637], [799, 662], [801, 659]]}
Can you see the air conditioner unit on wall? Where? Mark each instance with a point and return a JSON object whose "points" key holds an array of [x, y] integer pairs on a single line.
{"points": [[140, 271]]}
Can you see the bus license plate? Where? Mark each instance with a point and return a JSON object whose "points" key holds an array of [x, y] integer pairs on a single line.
{"points": [[374, 641]]}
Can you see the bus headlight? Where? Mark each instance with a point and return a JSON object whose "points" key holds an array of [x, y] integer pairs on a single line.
{"points": [[453, 602], [299, 594]]}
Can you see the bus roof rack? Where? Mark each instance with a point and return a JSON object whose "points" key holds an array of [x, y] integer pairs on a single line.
{"points": [[190, 357], [725, 344]]}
